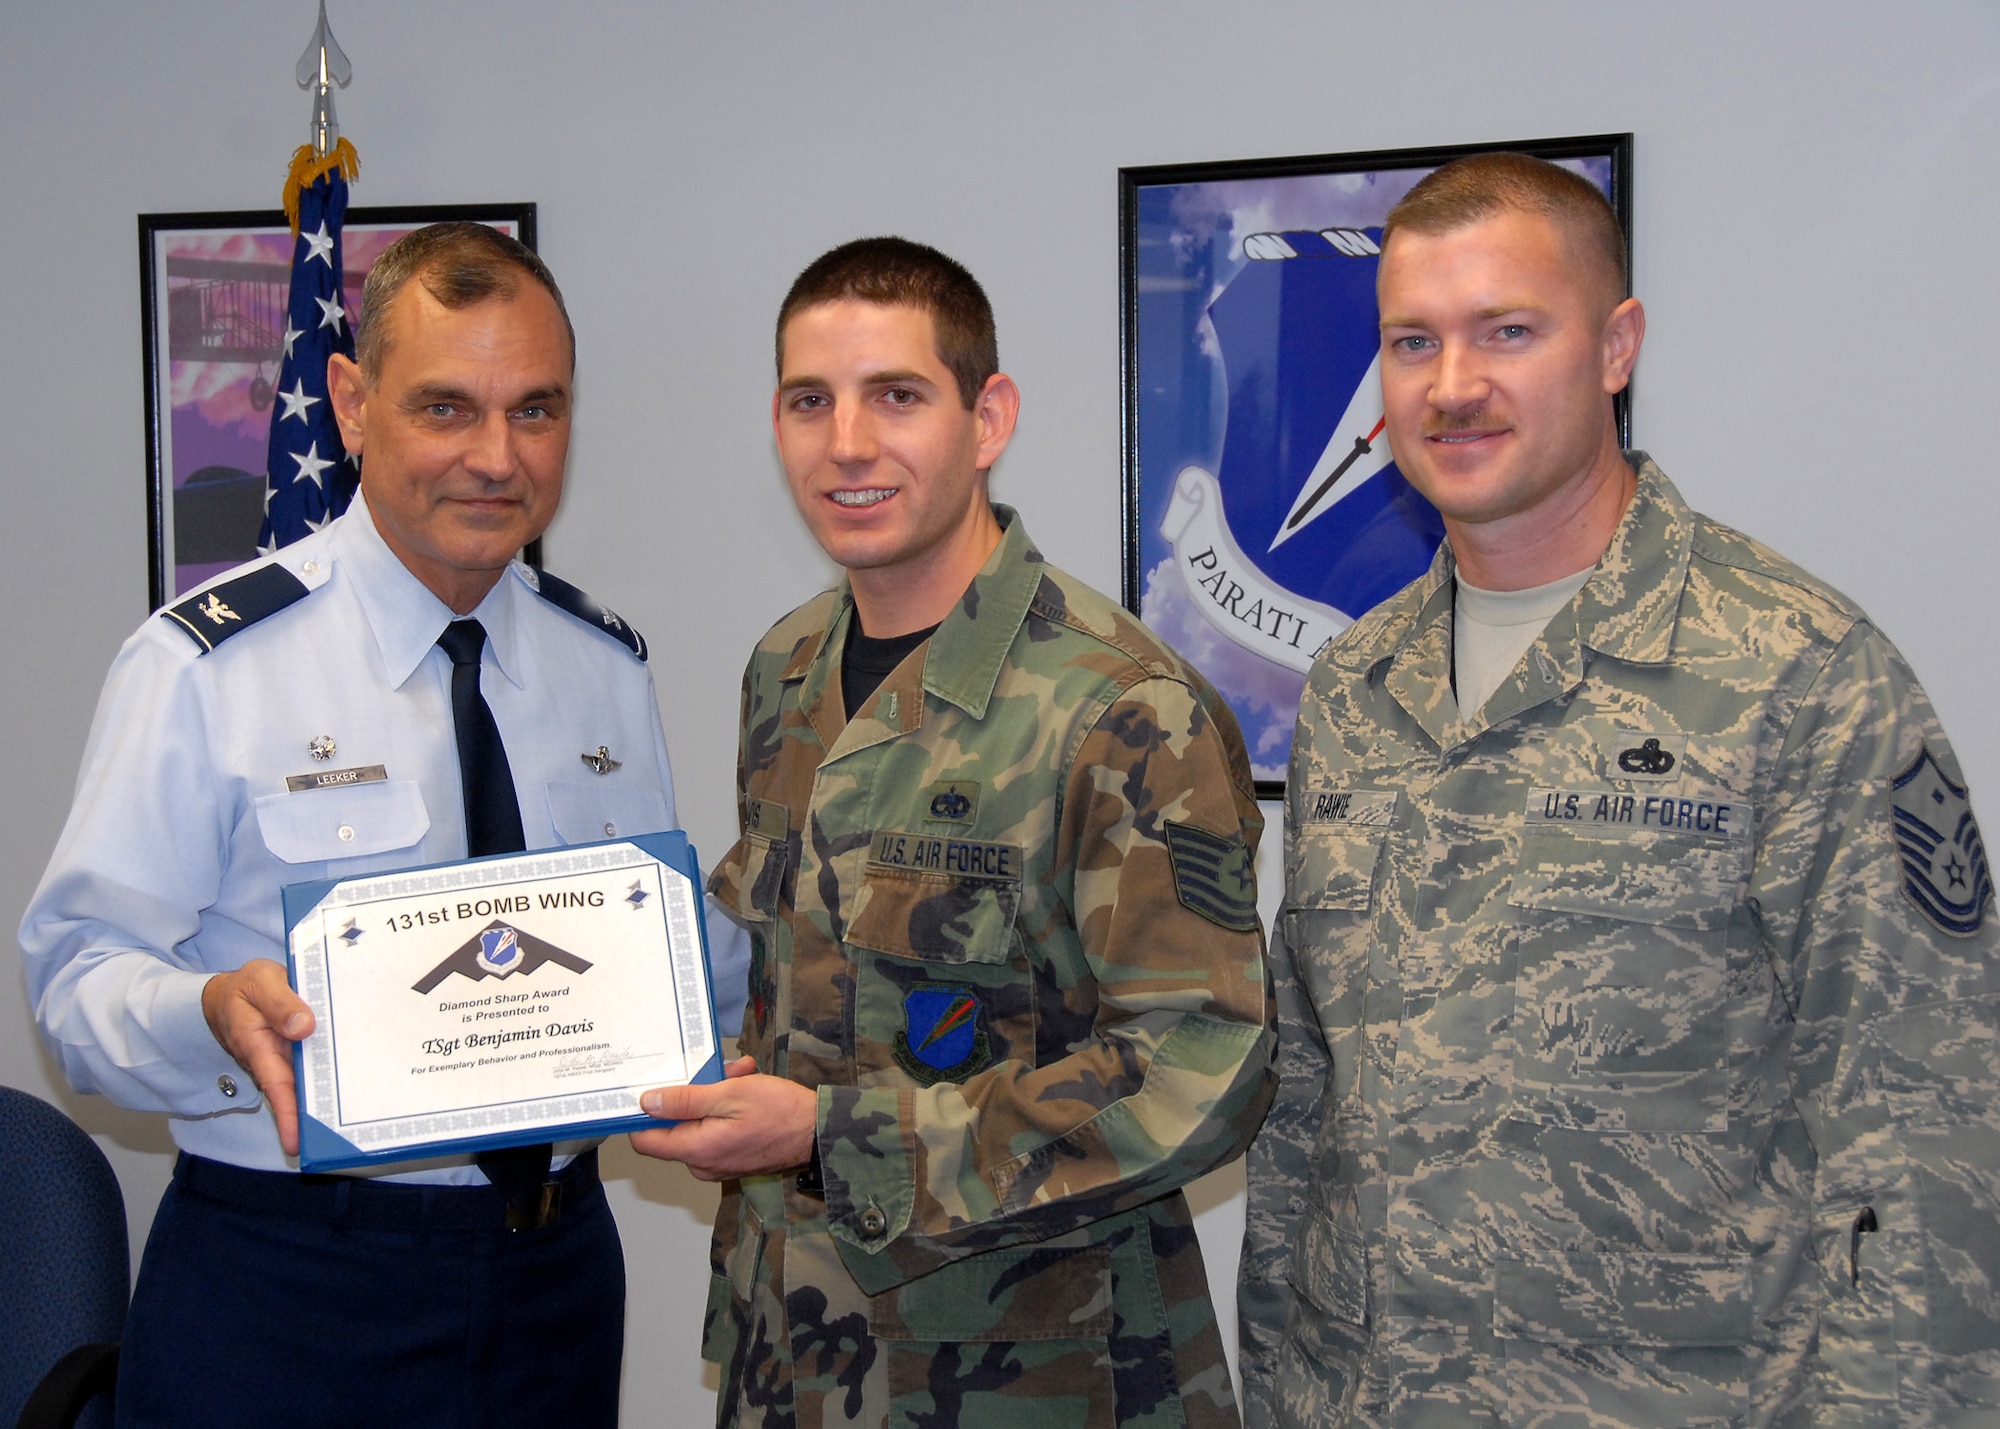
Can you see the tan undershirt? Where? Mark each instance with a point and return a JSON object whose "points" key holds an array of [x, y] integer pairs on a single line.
{"points": [[1493, 629]]}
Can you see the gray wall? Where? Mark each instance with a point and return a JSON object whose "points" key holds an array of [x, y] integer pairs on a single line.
{"points": [[1816, 195]]}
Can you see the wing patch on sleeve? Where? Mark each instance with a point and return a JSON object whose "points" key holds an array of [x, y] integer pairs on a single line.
{"points": [[1213, 876]]}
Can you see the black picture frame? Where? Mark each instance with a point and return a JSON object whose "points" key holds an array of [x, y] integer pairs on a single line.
{"points": [[1236, 400], [210, 287]]}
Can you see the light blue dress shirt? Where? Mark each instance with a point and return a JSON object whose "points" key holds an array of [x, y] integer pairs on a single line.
{"points": [[183, 832]]}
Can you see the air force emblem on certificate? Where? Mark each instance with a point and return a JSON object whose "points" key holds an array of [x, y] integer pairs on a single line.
{"points": [[1944, 860], [499, 950]]}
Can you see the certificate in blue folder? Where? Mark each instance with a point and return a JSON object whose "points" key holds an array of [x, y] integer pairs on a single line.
{"points": [[500, 1001]]}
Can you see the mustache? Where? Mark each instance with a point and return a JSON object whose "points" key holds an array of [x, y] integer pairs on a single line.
{"points": [[1439, 424]]}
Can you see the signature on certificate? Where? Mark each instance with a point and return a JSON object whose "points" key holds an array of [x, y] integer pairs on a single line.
{"points": [[597, 1057]]}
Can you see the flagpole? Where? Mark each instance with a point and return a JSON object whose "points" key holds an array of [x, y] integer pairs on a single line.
{"points": [[308, 476]]}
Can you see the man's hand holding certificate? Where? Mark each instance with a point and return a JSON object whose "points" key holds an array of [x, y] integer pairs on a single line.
{"points": [[502, 1001]]}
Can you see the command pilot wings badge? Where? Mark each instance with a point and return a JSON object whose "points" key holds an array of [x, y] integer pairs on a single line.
{"points": [[1944, 860], [500, 950]]}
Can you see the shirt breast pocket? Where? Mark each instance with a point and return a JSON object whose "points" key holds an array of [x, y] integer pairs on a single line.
{"points": [[944, 989], [1629, 1011], [750, 880], [935, 917], [1330, 874], [586, 813], [335, 826]]}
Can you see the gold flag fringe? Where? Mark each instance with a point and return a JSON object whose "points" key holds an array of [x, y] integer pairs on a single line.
{"points": [[309, 168]]}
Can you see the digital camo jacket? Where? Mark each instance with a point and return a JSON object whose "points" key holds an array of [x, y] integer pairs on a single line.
{"points": [[1638, 1035], [1005, 922]]}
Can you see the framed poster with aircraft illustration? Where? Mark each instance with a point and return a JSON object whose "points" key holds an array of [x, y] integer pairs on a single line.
{"points": [[1263, 510], [213, 289]]}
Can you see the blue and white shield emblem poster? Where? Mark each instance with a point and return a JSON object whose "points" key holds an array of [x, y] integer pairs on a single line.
{"points": [[1264, 510]]}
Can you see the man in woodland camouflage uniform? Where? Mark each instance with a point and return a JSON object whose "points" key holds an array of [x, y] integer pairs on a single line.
{"points": [[1636, 978], [1008, 992]]}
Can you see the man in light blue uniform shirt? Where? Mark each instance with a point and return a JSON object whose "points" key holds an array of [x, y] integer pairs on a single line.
{"points": [[154, 945]]}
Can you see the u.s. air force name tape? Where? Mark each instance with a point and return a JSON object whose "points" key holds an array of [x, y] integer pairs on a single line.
{"points": [[1353, 808], [1234, 596], [1708, 816], [967, 858]]}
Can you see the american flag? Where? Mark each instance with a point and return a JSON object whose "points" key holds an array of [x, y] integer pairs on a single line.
{"points": [[309, 478]]}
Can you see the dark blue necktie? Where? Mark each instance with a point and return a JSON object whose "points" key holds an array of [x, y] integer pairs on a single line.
{"points": [[492, 814], [492, 825]]}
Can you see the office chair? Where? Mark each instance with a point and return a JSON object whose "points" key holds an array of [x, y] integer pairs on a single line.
{"points": [[65, 1269]]}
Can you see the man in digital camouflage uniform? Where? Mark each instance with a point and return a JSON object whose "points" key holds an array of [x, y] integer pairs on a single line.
{"points": [[1636, 984], [1009, 989]]}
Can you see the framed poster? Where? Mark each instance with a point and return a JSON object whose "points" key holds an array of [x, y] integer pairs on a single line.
{"points": [[213, 289], [1263, 510]]}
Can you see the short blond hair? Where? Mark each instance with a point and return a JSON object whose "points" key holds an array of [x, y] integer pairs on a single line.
{"points": [[1481, 186]]}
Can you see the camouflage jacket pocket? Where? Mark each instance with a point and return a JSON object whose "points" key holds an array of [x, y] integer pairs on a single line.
{"points": [[1035, 1323], [934, 917], [1629, 1014], [1873, 1286], [1635, 1300], [1330, 1267], [1934, 1064], [1017, 1294], [1332, 868], [1659, 879], [734, 1260], [750, 880], [1330, 878], [1922, 1262]]}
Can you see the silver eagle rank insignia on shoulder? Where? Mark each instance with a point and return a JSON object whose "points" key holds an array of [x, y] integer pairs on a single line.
{"points": [[232, 607]]}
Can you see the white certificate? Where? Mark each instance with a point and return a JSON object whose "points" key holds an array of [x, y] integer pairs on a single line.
{"points": [[498, 1002]]}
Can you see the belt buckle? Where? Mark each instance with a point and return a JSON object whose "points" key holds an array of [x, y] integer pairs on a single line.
{"points": [[542, 1209]]}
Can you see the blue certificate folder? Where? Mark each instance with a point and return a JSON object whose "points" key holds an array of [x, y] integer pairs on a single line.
{"points": [[321, 1148]]}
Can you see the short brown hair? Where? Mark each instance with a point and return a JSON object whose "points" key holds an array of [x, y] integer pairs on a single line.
{"points": [[1469, 190], [459, 263], [895, 272]]}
